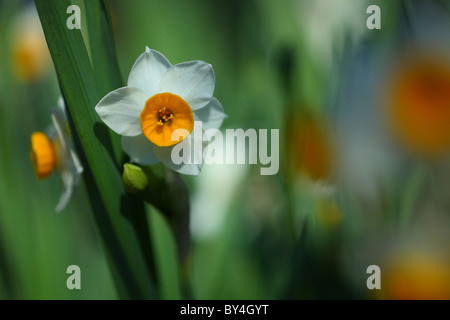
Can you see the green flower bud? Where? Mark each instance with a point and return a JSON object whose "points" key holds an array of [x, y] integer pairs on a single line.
{"points": [[134, 179]]}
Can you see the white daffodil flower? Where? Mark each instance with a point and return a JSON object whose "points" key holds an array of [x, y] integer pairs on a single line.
{"points": [[163, 101], [53, 150]]}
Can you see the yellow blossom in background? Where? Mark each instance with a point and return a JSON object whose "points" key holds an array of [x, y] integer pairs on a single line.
{"points": [[416, 275], [328, 212], [29, 55], [419, 104], [312, 152], [312, 159]]}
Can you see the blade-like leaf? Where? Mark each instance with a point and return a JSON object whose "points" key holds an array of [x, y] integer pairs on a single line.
{"points": [[104, 58], [103, 51], [115, 219]]}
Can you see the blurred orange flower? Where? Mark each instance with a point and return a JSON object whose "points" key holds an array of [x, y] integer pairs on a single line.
{"points": [[312, 148], [417, 276], [419, 104]]}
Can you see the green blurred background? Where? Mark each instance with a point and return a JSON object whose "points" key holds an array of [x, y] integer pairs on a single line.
{"points": [[348, 194]]}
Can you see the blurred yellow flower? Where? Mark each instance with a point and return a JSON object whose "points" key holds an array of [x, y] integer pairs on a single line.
{"points": [[419, 104], [53, 151], [328, 212], [416, 275], [29, 55]]}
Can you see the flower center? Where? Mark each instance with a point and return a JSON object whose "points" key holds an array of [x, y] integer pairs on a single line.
{"points": [[165, 116], [162, 115], [42, 154]]}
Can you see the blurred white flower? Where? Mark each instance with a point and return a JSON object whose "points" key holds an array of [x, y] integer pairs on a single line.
{"points": [[53, 151], [211, 201], [162, 101], [393, 106], [328, 24]]}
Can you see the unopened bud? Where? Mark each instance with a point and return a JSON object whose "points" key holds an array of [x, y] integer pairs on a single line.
{"points": [[134, 179]]}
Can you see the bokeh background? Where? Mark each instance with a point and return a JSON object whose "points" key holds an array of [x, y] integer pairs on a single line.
{"points": [[364, 120]]}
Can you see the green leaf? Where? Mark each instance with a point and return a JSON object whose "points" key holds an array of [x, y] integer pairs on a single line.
{"points": [[104, 58], [119, 219], [411, 194], [103, 51]]}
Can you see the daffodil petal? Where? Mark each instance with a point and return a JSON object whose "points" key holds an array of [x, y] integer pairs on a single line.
{"points": [[61, 106], [211, 116], [164, 153], [68, 182], [77, 167], [58, 119], [140, 149], [194, 145], [193, 81], [121, 110], [147, 71], [70, 171]]}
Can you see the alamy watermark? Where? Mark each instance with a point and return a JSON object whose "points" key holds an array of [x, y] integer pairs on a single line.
{"points": [[373, 21], [236, 146], [74, 280], [374, 280]]}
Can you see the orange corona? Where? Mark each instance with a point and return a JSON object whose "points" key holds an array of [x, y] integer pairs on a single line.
{"points": [[162, 115], [42, 154]]}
